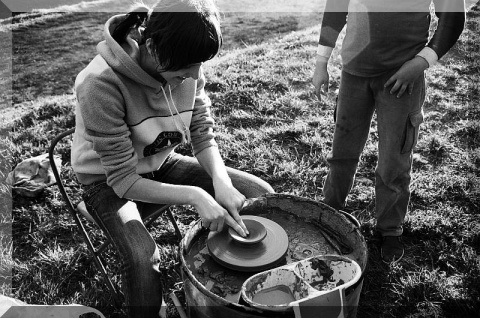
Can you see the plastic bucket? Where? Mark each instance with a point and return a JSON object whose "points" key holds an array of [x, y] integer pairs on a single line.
{"points": [[314, 285]]}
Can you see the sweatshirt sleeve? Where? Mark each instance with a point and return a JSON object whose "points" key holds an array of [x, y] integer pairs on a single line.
{"points": [[334, 19], [102, 108], [201, 127], [451, 21]]}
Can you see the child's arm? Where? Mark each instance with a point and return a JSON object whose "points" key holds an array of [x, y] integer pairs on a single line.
{"points": [[451, 21], [334, 19], [206, 151]]}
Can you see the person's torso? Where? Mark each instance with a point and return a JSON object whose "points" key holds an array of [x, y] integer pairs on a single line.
{"points": [[382, 35], [157, 119]]}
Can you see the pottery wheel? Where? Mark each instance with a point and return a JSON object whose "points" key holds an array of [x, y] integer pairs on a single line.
{"points": [[249, 257]]}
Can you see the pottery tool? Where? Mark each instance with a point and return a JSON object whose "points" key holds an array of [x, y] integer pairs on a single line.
{"points": [[262, 251]]}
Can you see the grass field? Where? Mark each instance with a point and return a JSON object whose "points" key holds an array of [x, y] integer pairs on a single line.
{"points": [[270, 124]]}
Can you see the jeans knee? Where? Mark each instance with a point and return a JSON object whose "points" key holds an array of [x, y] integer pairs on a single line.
{"points": [[144, 256], [397, 181], [265, 187], [249, 185]]}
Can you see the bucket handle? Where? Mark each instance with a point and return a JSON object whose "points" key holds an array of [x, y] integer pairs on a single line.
{"points": [[333, 303], [351, 218], [340, 294]]}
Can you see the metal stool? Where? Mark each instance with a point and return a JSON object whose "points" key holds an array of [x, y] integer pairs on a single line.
{"points": [[81, 209]]}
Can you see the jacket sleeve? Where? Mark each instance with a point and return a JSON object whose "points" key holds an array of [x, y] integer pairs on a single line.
{"points": [[334, 19], [201, 127], [451, 21], [102, 109]]}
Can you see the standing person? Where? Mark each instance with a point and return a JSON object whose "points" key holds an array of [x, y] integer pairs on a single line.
{"points": [[385, 52], [139, 98]]}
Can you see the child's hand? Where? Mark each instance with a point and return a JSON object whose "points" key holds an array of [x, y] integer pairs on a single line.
{"points": [[404, 78], [232, 200], [320, 78], [214, 216]]}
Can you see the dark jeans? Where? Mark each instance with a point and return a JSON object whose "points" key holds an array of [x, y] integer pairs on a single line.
{"points": [[121, 221], [398, 122]]}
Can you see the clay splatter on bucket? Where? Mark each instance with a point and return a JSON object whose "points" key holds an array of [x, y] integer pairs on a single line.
{"points": [[323, 274], [308, 282], [219, 280]]}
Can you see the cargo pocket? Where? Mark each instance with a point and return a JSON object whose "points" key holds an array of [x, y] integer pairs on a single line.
{"points": [[335, 110], [411, 131]]}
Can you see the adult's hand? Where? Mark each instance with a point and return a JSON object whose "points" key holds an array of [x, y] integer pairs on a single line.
{"points": [[405, 77], [320, 77]]}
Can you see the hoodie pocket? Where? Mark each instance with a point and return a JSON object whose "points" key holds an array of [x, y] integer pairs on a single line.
{"points": [[411, 130]]}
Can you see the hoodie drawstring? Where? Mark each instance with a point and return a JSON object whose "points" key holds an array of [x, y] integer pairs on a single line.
{"points": [[186, 131]]}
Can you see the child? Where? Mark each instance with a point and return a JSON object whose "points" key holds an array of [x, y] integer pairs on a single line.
{"points": [[138, 99], [384, 54]]}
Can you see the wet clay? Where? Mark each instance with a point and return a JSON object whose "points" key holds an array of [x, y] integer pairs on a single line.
{"points": [[276, 295], [256, 229], [305, 240], [219, 280], [249, 257]]}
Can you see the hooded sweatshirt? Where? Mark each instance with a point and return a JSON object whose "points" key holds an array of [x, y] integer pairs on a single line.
{"points": [[127, 122]]}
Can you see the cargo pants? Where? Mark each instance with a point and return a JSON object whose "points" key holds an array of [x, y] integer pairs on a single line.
{"points": [[398, 122]]}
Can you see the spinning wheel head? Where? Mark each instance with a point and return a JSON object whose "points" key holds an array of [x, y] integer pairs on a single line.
{"points": [[268, 251]]}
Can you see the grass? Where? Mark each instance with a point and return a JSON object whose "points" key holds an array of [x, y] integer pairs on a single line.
{"points": [[270, 124]]}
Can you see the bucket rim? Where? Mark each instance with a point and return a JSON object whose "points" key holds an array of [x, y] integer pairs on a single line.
{"points": [[195, 230]]}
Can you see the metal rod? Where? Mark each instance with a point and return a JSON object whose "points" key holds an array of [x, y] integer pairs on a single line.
{"points": [[178, 305]]}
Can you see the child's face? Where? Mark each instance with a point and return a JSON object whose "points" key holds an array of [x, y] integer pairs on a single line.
{"points": [[175, 78]]}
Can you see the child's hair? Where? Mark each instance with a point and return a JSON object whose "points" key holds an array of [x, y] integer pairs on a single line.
{"points": [[182, 32]]}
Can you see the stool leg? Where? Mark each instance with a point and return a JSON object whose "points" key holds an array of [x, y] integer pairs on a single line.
{"points": [[175, 225]]}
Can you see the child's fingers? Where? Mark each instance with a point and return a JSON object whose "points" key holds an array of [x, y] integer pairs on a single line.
{"points": [[410, 89], [403, 88], [390, 81], [395, 87], [233, 224]]}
